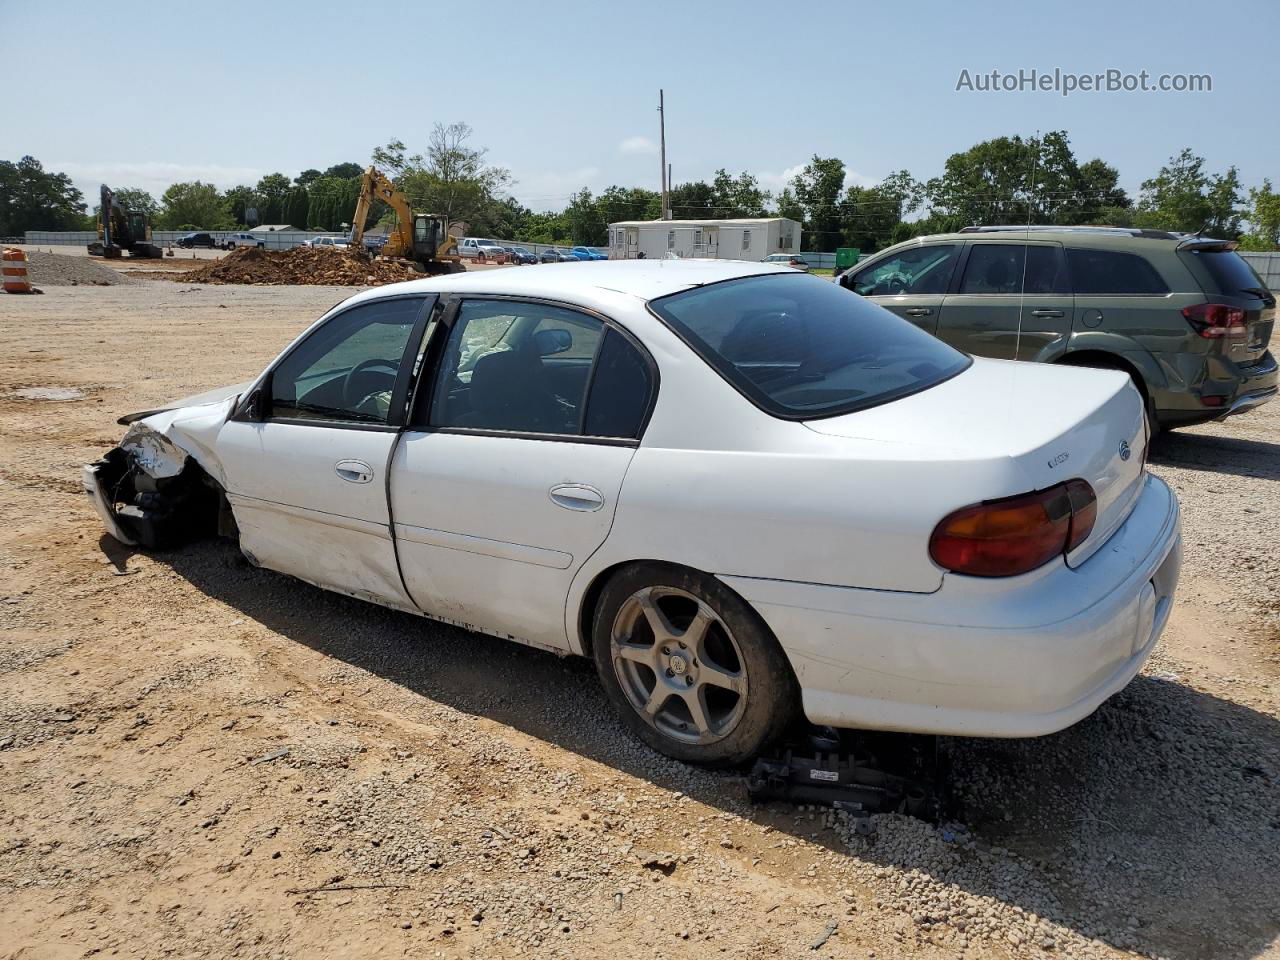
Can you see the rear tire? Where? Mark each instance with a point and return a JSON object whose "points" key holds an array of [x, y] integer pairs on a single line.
{"points": [[691, 668]]}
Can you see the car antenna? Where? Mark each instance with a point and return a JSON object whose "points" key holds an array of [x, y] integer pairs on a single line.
{"points": [[1026, 251]]}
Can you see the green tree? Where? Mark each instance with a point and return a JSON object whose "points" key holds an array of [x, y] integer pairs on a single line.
{"points": [[296, 207], [586, 225], [344, 171], [788, 206], [239, 201], [197, 205], [453, 179], [273, 191], [32, 198], [738, 196], [1263, 217], [692, 201], [307, 177], [628, 203], [870, 217], [817, 187], [1184, 197]]}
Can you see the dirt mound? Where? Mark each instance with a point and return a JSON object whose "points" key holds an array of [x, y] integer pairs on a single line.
{"points": [[57, 270], [301, 265]]}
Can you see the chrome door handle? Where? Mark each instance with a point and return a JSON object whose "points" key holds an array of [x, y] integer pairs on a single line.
{"points": [[353, 471], [576, 496], [918, 312], [1046, 313]]}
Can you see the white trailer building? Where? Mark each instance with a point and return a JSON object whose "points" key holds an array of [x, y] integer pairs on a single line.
{"points": [[749, 239]]}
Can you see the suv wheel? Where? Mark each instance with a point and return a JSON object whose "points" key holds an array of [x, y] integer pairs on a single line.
{"points": [[692, 669]]}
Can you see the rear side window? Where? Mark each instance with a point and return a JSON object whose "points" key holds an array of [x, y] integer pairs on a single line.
{"points": [[1004, 268], [1113, 272], [801, 348], [1229, 271], [620, 389]]}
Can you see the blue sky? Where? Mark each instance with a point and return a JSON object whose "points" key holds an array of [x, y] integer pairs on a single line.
{"points": [[565, 95]]}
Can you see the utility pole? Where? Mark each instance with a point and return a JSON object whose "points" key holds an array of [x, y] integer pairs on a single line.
{"points": [[662, 139]]}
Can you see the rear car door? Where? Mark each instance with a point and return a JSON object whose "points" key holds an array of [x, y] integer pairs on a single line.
{"points": [[306, 456], [911, 283], [508, 476], [1012, 301]]}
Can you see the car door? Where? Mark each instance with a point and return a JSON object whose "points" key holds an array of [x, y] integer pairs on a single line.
{"points": [[507, 478], [1012, 301], [306, 456], [911, 282]]}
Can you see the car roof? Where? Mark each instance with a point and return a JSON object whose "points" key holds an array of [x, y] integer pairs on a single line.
{"points": [[1082, 236], [577, 282]]}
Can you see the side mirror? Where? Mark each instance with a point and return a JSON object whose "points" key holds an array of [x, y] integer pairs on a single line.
{"points": [[551, 342], [255, 407]]}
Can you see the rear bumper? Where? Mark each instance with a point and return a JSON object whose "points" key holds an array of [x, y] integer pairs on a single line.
{"points": [[1015, 657], [1246, 389]]}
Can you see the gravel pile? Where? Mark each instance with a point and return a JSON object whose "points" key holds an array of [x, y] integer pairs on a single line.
{"points": [[56, 270], [301, 265]]}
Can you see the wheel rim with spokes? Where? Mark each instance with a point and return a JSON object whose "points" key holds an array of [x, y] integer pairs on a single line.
{"points": [[679, 665]]}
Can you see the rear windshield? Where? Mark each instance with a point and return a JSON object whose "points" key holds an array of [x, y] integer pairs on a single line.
{"points": [[800, 347], [1229, 271]]}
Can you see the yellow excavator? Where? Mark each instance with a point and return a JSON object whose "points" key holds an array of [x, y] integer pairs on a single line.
{"points": [[421, 238]]}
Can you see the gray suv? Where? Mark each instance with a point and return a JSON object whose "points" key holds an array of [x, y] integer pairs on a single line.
{"points": [[1185, 316]]}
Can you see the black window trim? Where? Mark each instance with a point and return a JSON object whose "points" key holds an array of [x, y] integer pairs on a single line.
{"points": [[800, 416], [450, 304], [396, 414], [957, 279]]}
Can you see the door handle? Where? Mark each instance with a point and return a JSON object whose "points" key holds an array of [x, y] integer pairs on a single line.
{"points": [[1047, 313], [919, 312], [353, 471], [576, 496]]}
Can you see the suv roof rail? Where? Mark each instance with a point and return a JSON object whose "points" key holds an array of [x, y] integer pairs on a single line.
{"points": [[1071, 228]]}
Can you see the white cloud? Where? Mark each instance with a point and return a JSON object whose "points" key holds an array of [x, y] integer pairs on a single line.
{"points": [[153, 176], [637, 145]]}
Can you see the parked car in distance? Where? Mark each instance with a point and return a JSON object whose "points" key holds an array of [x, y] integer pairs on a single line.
{"points": [[586, 253], [788, 260], [331, 243], [551, 255], [482, 250], [520, 255], [192, 240], [1185, 316], [703, 451], [236, 240], [374, 243]]}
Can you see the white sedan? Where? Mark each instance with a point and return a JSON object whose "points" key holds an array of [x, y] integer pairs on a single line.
{"points": [[745, 492]]}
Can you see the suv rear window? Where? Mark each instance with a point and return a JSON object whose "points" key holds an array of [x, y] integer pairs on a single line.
{"points": [[1229, 271], [801, 348], [1111, 272]]}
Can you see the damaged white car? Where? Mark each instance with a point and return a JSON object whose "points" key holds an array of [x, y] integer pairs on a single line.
{"points": [[745, 492]]}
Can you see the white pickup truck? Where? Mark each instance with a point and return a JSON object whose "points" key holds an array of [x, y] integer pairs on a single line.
{"points": [[483, 250], [236, 240]]}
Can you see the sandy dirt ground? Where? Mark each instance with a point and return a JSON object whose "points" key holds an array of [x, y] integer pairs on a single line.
{"points": [[203, 759]]}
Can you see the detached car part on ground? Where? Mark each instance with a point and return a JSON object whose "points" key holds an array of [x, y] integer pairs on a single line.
{"points": [[743, 492], [1186, 317]]}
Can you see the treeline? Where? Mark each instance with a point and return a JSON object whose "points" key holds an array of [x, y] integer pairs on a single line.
{"points": [[1005, 180]]}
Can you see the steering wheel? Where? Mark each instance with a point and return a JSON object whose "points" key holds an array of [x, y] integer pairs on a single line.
{"points": [[897, 283], [363, 368]]}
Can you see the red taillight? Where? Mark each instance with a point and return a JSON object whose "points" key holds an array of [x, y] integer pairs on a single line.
{"points": [[1002, 538], [1214, 320]]}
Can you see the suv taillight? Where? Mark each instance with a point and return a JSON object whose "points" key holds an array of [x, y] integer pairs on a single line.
{"points": [[1214, 320], [1002, 538]]}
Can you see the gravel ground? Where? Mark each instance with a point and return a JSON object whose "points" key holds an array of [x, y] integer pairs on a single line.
{"points": [[59, 270], [206, 759]]}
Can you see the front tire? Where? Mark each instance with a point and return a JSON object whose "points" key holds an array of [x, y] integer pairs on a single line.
{"points": [[691, 668]]}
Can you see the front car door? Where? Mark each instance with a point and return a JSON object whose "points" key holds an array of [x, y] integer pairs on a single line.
{"points": [[306, 456], [1013, 301], [507, 478], [912, 282]]}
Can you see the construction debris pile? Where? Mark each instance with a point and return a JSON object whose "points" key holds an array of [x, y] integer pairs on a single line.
{"points": [[318, 266], [59, 270]]}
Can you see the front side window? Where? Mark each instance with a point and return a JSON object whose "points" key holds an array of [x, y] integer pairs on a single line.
{"points": [[916, 270], [1102, 272], [346, 370], [519, 367], [800, 347]]}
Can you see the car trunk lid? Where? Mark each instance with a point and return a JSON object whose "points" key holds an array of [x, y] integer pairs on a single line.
{"points": [[1055, 423]]}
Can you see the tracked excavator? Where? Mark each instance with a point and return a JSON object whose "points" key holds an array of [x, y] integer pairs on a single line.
{"points": [[120, 230], [423, 239]]}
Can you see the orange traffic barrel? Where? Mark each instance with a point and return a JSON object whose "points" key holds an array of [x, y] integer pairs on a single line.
{"points": [[13, 271]]}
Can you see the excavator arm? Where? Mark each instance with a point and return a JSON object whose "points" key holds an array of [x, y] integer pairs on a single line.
{"points": [[376, 186]]}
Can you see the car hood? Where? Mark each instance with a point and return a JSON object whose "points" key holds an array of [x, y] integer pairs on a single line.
{"points": [[1053, 423], [216, 395]]}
